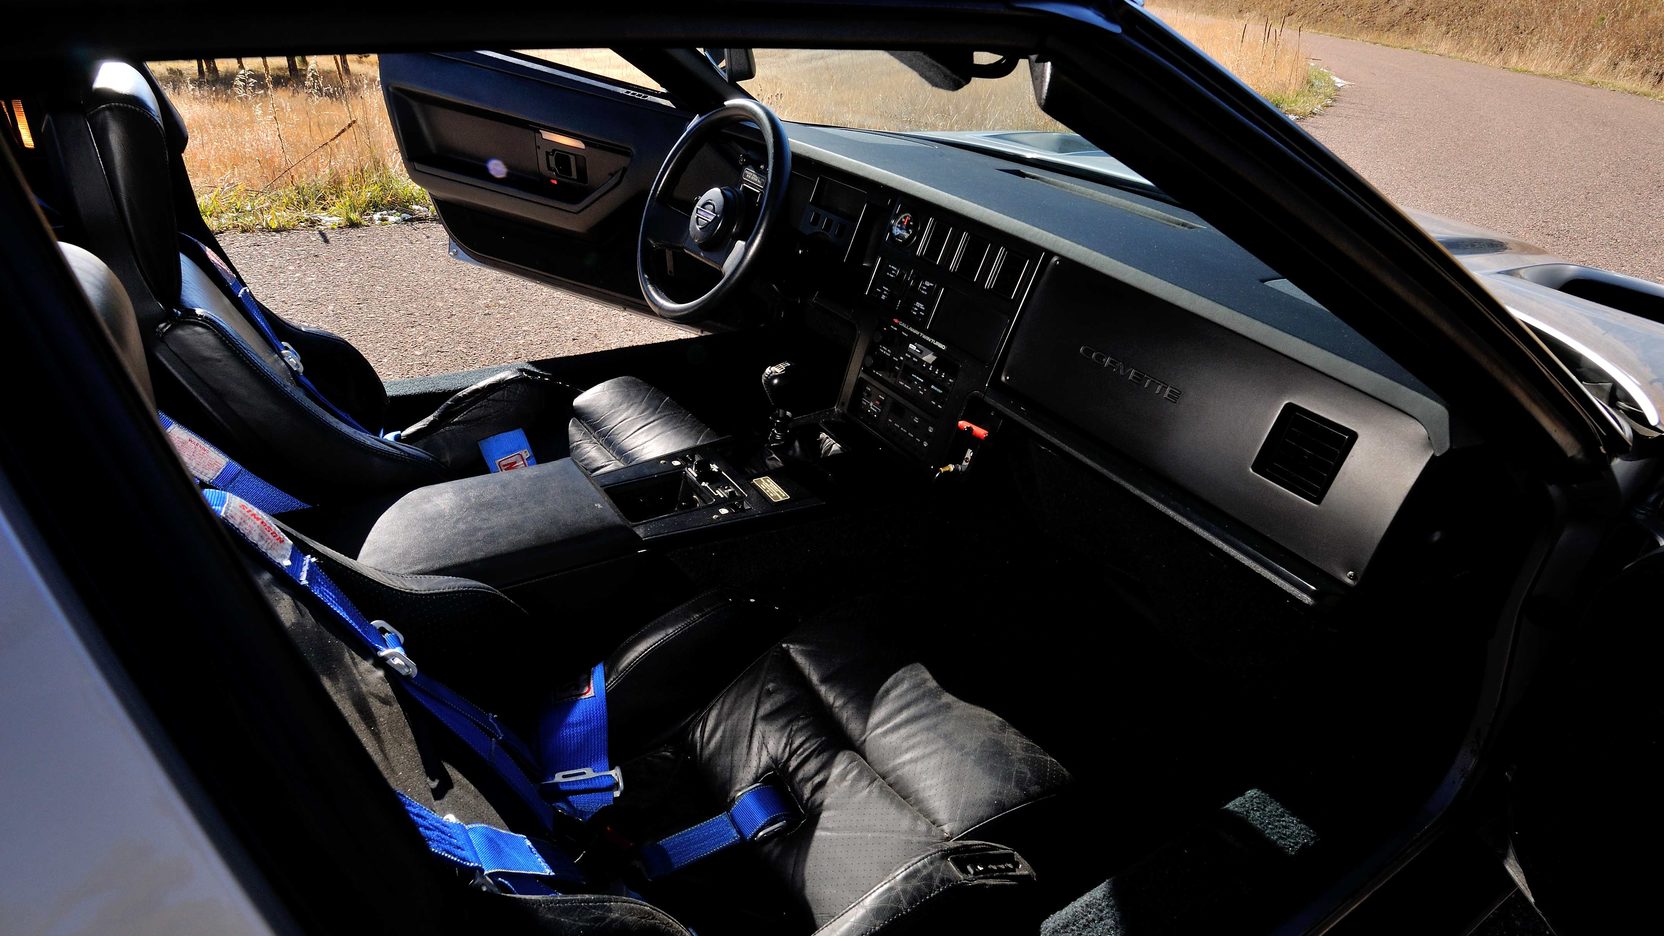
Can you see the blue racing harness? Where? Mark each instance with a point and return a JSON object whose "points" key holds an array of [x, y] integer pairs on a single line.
{"points": [[569, 773]]}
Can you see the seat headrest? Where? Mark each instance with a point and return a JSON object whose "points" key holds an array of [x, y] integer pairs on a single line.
{"points": [[120, 82], [124, 80], [128, 129], [109, 300]]}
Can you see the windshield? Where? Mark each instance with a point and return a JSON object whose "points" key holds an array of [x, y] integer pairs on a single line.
{"points": [[872, 90]]}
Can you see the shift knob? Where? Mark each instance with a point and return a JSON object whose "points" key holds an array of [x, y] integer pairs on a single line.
{"points": [[777, 385]]}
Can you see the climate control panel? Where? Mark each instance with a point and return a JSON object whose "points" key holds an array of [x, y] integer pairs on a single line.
{"points": [[910, 388]]}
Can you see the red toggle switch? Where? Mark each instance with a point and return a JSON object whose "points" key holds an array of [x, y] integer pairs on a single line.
{"points": [[976, 431]]}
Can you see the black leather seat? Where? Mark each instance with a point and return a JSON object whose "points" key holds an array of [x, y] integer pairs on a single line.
{"points": [[905, 783], [905, 790], [624, 421], [119, 153]]}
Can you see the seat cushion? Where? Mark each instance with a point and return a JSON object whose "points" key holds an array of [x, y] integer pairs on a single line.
{"points": [[887, 765], [623, 421]]}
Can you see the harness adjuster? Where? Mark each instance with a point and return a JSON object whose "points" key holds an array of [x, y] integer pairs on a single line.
{"points": [[290, 356], [587, 773], [393, 654], [785, 821]]}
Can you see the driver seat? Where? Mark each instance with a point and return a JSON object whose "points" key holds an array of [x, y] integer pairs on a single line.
{"points": [[299, 405]]}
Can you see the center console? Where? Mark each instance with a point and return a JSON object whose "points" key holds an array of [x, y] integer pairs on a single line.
{"points": [[939, 306], [533, 527]]}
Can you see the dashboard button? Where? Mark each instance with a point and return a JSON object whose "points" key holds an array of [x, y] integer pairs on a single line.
{"points": [[918, 309]]}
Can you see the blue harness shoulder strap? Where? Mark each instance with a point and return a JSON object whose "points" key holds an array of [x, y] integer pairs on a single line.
{"points": [[213, 468], [257, 314]]}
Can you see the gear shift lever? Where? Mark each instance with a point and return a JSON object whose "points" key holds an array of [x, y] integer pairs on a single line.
{"points": [[778, 384]]}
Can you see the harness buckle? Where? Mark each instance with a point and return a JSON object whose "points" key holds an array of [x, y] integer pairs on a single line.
{"points": [[291, 357], [588, 773], [393, 654]]}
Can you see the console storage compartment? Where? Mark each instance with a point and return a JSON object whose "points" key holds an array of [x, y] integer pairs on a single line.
{"points": [[703, 491], [505, 529]]}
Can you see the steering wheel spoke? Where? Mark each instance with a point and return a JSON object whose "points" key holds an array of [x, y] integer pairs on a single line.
{"points": [[736, 255], [665, 226], [728, 224], [723, 260]]}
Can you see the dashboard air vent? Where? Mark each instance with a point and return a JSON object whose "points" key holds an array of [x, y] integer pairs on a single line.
{"points": [[1304, 452]]}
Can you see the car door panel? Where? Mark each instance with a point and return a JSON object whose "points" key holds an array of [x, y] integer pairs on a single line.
{"points": [[534, 168]]}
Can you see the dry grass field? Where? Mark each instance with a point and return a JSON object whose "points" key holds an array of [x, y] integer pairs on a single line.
{"points": [[1265, 53], [270, 152], [1611, 43]]}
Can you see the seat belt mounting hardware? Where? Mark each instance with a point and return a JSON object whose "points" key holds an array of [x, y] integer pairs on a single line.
{"points": [[393, 655], [782, 824], [580, 774], [291, 357], [483, 882]]}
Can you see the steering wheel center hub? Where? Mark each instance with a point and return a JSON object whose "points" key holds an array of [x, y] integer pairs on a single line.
{"points": [[711, 214]]}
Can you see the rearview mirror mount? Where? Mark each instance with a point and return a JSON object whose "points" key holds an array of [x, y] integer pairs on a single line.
{"points": [[735, 65]]}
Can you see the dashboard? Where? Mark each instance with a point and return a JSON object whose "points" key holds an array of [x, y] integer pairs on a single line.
{"points": [[1118, 327]]}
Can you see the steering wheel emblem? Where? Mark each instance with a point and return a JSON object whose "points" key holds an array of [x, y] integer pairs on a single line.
{"points": [[706, 224]]}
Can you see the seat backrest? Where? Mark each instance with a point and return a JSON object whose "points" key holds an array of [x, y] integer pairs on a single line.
{"points": [[113, 154], [118, 149], [114, 310]]}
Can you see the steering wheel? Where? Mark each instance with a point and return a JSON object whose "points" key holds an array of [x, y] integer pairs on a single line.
{"points": [[729, 223]]}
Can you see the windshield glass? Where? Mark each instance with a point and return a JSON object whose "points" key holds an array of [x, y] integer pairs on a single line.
{"points": [[873, 91]]}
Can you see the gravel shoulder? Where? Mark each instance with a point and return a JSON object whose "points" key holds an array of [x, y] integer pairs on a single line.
{"points": [[396, 293]]}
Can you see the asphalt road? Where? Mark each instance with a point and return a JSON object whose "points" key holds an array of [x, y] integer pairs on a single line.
{"points": [[1572, 168], [1576, 169]]}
